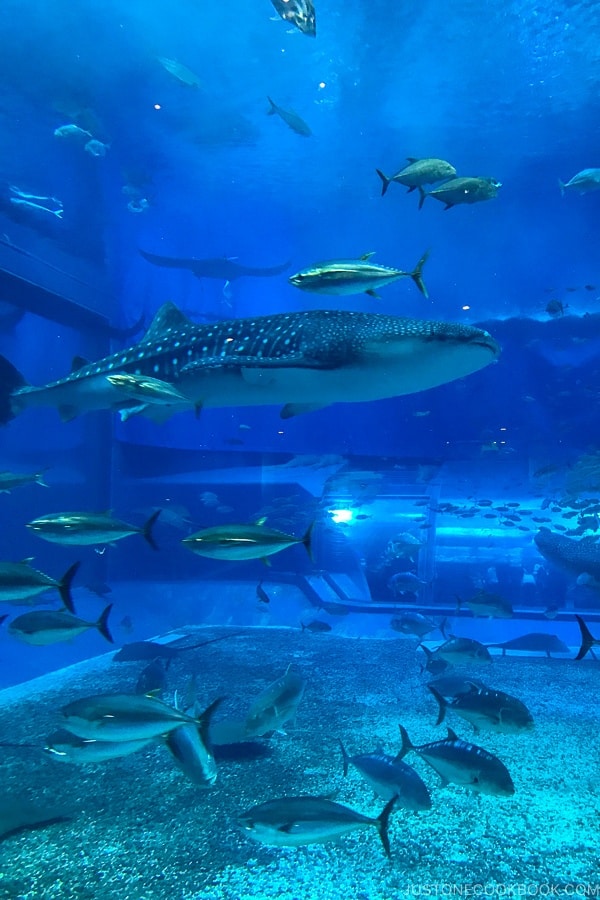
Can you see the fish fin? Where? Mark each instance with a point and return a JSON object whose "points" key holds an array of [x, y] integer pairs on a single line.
{"points": [[406, 745], [147, 529], [227, 292], [3, 618], [27, 560], [373, 293], [368, 255], [307, 540], [67, 412], [272, 111], [452, 735], [412, 188], [443, 625], [448, 206], [345, 756], [286, 827], [422, 195], [562, 186], [587, 639], [10, 380], [266, 561], [413, 159], [39, 479], [79, 362], [382, 824], [297, 409], [64, 587], [204, 720], [442, 703], [386, 181], [168, 316], [102, 624], [417, 275]]}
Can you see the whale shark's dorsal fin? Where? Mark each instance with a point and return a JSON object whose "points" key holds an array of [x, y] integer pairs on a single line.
{"points": [[167, 317]]}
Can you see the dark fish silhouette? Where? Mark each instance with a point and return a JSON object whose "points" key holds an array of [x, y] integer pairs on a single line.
{"points": [[142, 650], [221, 268], [291, 119], [534, 642]]}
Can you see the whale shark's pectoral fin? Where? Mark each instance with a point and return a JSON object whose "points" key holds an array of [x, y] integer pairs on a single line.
{"points": [[258, 377], [296, 409], [68, 412]]}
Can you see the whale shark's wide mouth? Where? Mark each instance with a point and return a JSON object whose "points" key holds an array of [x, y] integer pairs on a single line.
{"points": [[466, 335]]}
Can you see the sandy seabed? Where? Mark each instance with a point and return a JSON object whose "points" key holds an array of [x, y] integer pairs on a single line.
{"points": [[140, 831]]}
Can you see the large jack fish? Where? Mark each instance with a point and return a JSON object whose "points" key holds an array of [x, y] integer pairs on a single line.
{"points": [[300, 360]]}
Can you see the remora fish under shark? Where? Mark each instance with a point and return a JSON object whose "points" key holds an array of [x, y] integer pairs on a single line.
{"points": [[303, 360]]}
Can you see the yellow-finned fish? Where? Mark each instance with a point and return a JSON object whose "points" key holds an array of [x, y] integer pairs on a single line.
{"points": [[343, 277]]}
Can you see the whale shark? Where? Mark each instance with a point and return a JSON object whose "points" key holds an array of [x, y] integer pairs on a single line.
{"points": [[566, 553], [299, 360]]}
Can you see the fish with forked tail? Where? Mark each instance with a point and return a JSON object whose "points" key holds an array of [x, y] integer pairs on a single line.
{"points": [[485, 709], [20, 583], [88, 529], [42, 627], [417, 173], [304, 361], [460, 762], [293, 121], [344, 277], [297, 821], [588, 641]]}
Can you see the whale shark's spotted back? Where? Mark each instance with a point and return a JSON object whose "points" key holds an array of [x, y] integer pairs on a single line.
{"points": [[260, 361], [315, 339]]}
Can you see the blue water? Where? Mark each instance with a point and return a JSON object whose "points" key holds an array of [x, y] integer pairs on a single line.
{"points": [[508, 93]]}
